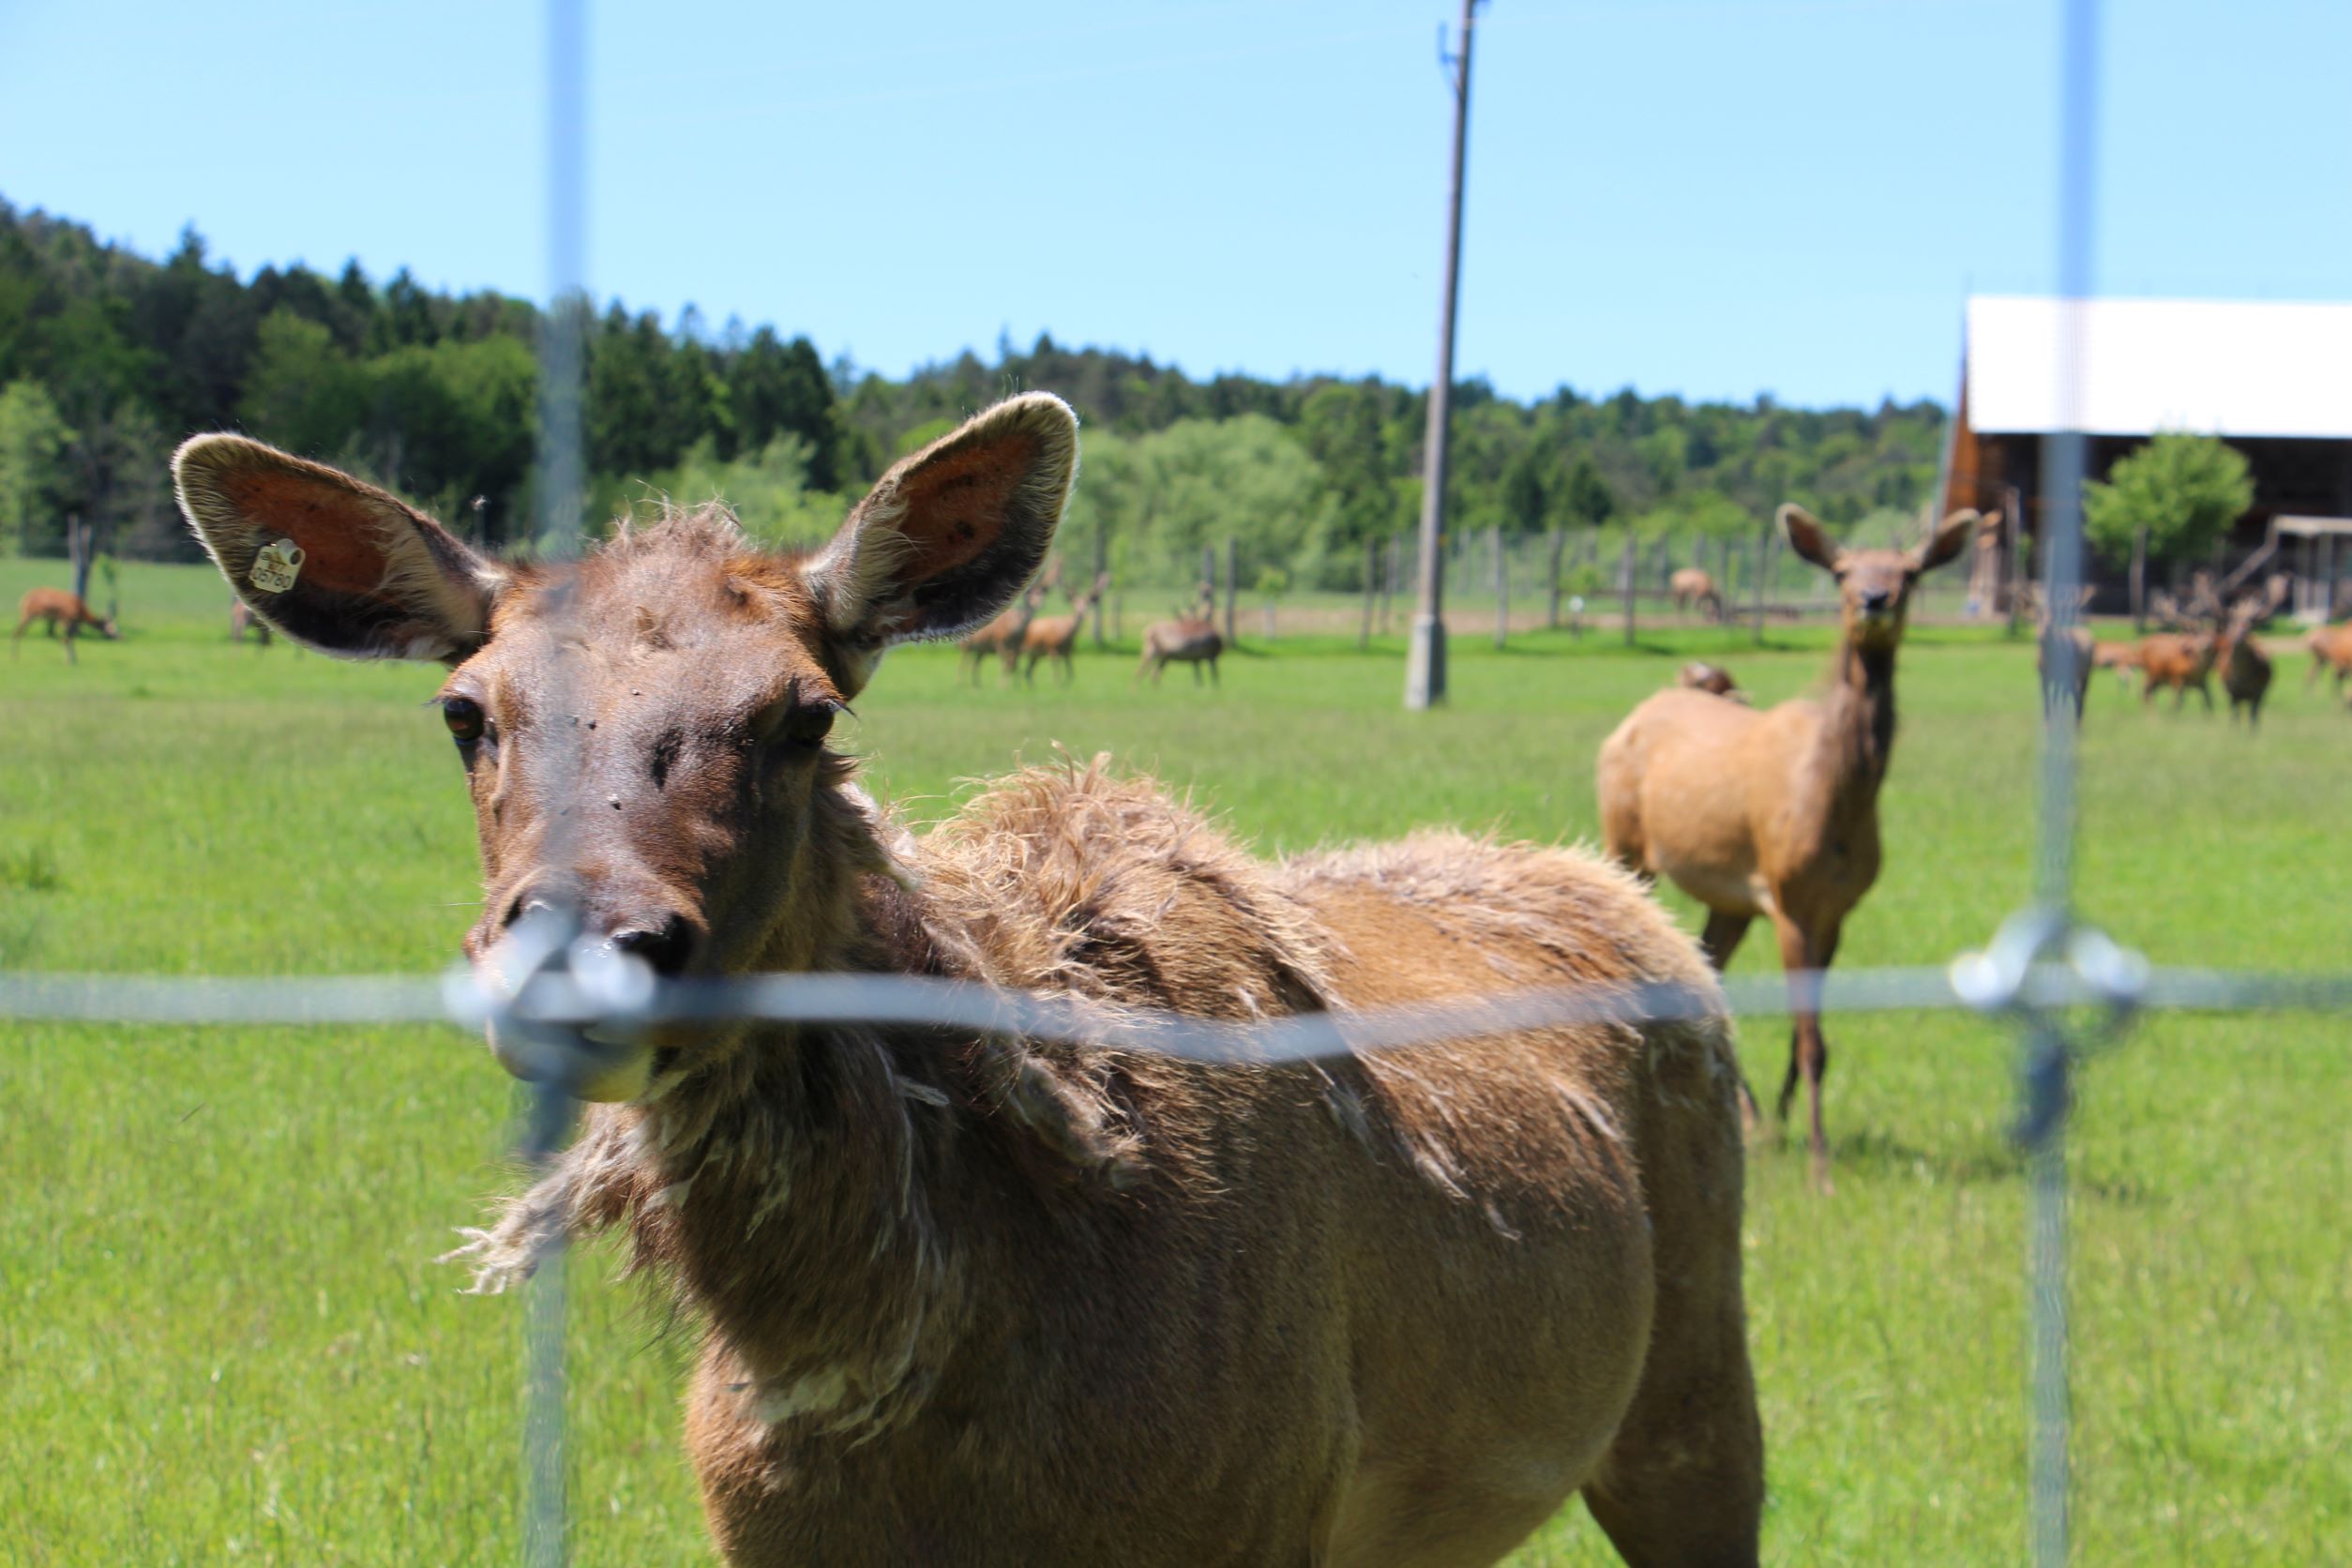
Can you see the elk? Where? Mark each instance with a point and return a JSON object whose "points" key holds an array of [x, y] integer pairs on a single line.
{"points": [[2331, 653], [1002, 636], [1056, 636], [2179, 661], [58, 608], [1776, 813], [243, 619], [2121, 657], [2062, 657], [1698, 675], [2218, 625], [2245, 665], [1690, 586], [1192, 640], [971, 1299]]}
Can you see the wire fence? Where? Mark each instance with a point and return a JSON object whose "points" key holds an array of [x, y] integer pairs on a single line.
{"points": [[2066, 988]]}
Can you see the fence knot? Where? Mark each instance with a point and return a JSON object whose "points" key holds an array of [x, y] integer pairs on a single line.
{"points": [[2041, 962]]}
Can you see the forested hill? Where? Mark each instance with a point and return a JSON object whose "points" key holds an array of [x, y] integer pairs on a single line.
{"points": [[109, 359]]}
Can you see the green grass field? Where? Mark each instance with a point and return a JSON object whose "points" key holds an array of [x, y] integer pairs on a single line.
{"points": [[223, 1337]]}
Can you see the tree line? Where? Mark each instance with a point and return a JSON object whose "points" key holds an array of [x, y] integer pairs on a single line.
{"points": [[109, 359]]}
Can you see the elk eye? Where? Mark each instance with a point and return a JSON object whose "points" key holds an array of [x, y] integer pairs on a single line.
{"points": [[805, 728], [465, 719]]}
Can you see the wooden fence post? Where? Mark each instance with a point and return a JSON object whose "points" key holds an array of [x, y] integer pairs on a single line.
{"points": [[1628, 573]]}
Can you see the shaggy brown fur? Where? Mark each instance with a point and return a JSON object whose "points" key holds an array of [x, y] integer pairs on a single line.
{"points": [[988, 1300], [1776, 813]]}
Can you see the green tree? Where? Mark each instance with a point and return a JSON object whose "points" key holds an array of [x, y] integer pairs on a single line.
{"points": [[33, 443], [1587, 497], [1527, 495], [2185, 489]]}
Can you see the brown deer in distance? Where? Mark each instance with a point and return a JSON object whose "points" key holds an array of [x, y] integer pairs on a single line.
{"points": [[2331, 654], [1694, 587], [974, 1299], [1775, 813], [58, 608], [1001, 637], [1055, 637], [2220, 623], [1192, 640], [2065, 680], [242, 619], [2179, 661]]}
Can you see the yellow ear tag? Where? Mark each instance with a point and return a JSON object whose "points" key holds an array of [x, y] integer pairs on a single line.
{"points": [[276, 565]]}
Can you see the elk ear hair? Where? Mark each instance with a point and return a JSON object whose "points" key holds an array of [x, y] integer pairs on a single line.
{"points": [[1809, 540], [1946, 541]]}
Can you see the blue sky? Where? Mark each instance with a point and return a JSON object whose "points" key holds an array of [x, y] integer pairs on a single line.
{"points": [[1711, 197]]}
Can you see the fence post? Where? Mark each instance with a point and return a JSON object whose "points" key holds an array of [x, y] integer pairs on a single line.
{"points": [[1371, 588], [1502, 587], [1555, 541], [2139, 580], [1233, 586], [1628, 574], [1102, 569], [1763, 542]]}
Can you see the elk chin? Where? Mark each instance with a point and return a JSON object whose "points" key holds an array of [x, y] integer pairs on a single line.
{"points": [[617, 1071]]}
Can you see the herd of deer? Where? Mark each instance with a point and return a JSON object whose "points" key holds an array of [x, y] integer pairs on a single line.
{"points": [[974, 1299], [2213, 634]]}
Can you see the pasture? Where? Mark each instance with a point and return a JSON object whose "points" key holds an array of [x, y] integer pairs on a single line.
{"points": [[223, 1338]]}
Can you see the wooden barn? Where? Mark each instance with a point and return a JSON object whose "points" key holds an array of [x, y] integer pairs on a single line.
{"points": [[2274, 380]]}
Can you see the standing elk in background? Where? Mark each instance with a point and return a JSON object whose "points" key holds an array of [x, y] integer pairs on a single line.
{"points": [[1056, 637], [1192, 640], [2179, 661], [2244, 663], [2331, 653], [1776, 813], [1001, 637], [975, 1300], [58, 608], [2121, 657], [242, 619], [1691, 586], [1698, 675], [2063, 659]]}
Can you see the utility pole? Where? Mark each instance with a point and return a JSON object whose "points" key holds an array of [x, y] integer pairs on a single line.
{"points": [[1424, 660]]}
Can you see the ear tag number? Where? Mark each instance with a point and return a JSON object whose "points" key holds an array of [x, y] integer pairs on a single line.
{"points": [[275, 566]]}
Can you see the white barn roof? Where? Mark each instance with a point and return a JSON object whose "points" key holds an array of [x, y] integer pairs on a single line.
{"points": [[2214, 367]]}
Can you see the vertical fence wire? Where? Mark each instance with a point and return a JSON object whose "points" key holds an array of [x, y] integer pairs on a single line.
{"points": [[2047, 1089], [561, 486]]}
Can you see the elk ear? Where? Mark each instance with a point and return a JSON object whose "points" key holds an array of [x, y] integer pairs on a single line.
{"points": [[1809, 540], [1946, 541], [329, 560], [946, 539]]}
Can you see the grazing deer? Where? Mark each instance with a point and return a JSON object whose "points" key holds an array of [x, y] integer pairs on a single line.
{"points": [[1776, 813], [242, 619], [974, 1299], [58, 608], [2331, 653], [2121, 657], [1691, 586], [1698, 675], [1055, 637], [1002, 636]]}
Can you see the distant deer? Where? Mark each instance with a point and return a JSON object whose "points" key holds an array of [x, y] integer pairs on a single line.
{"points": [[2244, 663], [1056, 636], [1698, 675], [2177, 661], [2121, 657], [968, 1299], [1776, 813], [2065, 681], [2331, 653], [1691, 586], [242, 619], [58, 608], [1002, 636], [1192, 640]]}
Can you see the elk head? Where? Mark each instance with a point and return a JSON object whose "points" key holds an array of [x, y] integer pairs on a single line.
{"points": [[643, 732], [1874, 585]]}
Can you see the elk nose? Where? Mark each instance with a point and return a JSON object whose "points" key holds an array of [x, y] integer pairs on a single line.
{"points": [[664, 945], [1874, 600]]}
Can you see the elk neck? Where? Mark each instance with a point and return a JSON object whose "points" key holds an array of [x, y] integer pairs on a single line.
{"points": [[787, 1191], [1859, 730]]}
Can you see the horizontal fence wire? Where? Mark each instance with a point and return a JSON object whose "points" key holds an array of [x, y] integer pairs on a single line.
{"points": [[565, 999]]}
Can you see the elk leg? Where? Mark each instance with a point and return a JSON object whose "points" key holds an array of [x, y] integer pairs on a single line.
{"points": [[1720, 940], [17, 642], [1809, 1053]]}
